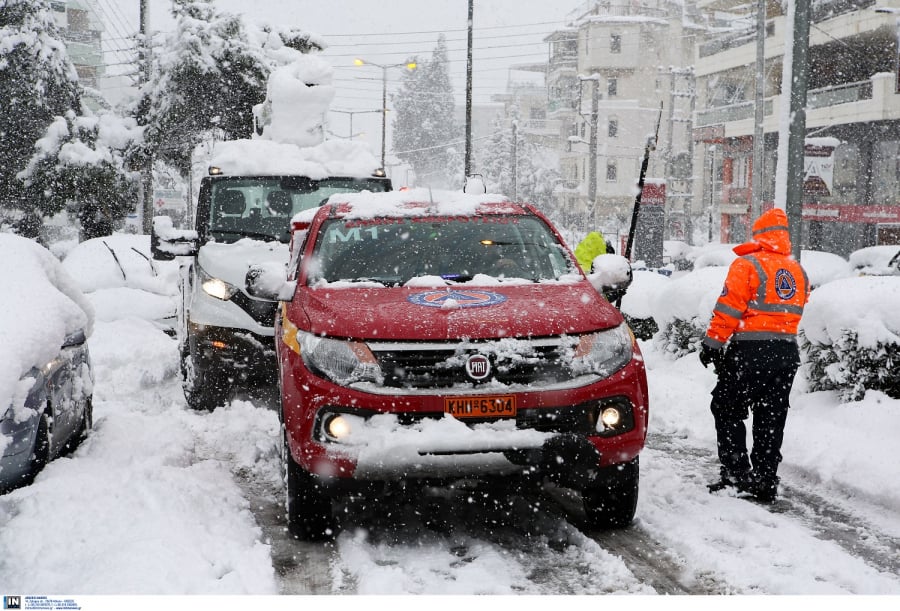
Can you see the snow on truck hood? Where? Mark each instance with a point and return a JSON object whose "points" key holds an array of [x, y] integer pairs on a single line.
{"points": [[229, 262], [475, 312]]}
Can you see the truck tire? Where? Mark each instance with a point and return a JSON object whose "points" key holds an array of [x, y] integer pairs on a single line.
{"points": [[611, 501], [203, 390], [308, 509]]}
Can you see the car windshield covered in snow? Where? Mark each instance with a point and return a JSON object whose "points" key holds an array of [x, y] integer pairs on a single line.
{"points": [[261, 207], [392, 251]]}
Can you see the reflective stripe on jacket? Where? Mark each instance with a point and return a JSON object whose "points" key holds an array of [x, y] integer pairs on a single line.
{"points": [[765, 290]]}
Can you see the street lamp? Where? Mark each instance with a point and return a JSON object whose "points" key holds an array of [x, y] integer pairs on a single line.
{"points": [[409, 65], [351, 113]]}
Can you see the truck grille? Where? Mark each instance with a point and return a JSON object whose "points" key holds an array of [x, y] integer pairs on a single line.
{"points": [[442, 365]]}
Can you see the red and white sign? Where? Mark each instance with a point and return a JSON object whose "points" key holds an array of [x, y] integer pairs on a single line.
{"points": [[653, 194], [844, 213], [818, 170]]}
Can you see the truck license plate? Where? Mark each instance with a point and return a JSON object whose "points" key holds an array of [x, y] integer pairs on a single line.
{"points": [[494, 406]]}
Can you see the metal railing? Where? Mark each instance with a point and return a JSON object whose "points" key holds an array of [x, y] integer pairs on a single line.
{"points": [[823, 97], [839, 94]]}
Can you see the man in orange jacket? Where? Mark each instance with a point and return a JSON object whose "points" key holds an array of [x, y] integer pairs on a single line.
{"points": [[751, 342]]}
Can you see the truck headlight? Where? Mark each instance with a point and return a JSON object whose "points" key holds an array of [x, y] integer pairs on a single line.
{"points": [[342, 362], [604, 352], [216, 287]]}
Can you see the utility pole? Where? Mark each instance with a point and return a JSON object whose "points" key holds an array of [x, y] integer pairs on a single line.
{"points": [[797, 126], [468, 163], [759, 135], [592, 143], [147, 172], [592, 171], [514, 162]]}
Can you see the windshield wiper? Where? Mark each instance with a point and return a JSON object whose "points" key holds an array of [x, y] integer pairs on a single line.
{"points": [[382, 281], [248, 234]]}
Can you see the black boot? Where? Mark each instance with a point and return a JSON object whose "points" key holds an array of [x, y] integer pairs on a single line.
{"points": [[763, 489], [739, 482]]}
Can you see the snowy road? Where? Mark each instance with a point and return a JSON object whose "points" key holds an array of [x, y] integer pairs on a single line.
{"points": [[163, 500]]}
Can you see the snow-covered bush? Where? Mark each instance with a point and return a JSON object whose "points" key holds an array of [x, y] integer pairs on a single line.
{"points": [[850, 337], [636, 304], [823, 267], [682, 309]]}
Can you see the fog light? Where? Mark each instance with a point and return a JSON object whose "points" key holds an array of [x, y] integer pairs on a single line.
{"points": [[610, 418], [336, 427]]}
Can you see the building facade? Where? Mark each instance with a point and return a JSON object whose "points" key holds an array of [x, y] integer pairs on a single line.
{"points": [[82, 32], [852, 160], [619, 70]]}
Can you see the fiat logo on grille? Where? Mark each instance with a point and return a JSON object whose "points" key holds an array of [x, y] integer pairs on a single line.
{"points": [[478, 367]]}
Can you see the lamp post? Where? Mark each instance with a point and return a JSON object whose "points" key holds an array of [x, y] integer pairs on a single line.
{"points": [[354, 112], [409, 65]]}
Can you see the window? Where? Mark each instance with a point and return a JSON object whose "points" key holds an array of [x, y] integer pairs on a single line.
{"points": [[613, 127], [612, 87], [615, 43], [612, 172]]}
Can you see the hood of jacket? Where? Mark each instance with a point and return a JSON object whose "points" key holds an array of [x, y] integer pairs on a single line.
{"points": [[770, 232]]}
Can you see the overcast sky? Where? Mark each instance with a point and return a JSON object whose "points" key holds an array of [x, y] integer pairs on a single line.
{"points": [[506, 32]]}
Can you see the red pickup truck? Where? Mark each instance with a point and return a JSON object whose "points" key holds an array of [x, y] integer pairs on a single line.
{"points": [[437, 337]]}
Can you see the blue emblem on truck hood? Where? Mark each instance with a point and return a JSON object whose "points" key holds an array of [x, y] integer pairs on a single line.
{"points": [[458, 299]]}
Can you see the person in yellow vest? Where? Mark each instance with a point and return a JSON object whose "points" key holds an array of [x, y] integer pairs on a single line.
{"points": [[591, 247]]}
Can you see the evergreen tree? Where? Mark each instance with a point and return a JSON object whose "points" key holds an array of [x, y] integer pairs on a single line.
{"points": [[37, 83], [80, 163], [209, 79], [425, 132], [536, 167]]}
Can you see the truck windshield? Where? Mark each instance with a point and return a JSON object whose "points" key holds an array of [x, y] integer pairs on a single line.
{"points": [[393, 251], [261, 208]]}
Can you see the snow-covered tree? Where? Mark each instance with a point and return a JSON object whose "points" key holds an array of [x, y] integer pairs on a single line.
{"points": [[37, 83], [425, 132], [206, 77], [80, 164], [536, 168]]}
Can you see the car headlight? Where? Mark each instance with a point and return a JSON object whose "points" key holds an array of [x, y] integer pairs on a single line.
{"points": [[216, 287], [604, 352], [342, 362]]}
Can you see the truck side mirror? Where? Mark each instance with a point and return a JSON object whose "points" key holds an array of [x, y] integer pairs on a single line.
{"points": [[267, 281], [611, 275], [166, 242]]}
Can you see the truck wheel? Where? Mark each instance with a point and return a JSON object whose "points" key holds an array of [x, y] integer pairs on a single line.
{"points": [[611, 501], [309, 512], [203, 390]]}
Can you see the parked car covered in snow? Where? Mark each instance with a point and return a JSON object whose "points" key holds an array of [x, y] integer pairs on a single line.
{"points": [[446, 340], [119, 277], [46, 380], [880, 260]]}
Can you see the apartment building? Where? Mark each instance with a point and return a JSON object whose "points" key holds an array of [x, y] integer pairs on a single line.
{"points": [[82, 31], [852, 170], [618, 70]]}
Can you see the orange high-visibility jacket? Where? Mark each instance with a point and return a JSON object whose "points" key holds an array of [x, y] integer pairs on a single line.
{"points": [[765, 290]]}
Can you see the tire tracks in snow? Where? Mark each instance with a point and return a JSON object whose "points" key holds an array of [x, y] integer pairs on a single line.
{"points": [[652, 561], [825, 519]]}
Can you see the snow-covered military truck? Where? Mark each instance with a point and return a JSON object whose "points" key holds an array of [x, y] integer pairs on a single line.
{"points": [[248, 193]]}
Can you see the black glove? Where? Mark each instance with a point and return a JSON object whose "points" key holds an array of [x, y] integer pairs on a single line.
{"points": [[708, 355]]}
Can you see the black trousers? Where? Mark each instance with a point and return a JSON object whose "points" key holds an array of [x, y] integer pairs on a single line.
{"points": [[754, 377]]}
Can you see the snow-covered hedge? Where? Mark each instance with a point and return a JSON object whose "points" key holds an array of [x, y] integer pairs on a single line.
{"points": [[850, 336], [683, 307]]}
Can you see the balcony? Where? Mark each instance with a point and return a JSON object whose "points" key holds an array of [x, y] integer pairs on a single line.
{"points": [[726, 114], [839, 94], [872, 100]]}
